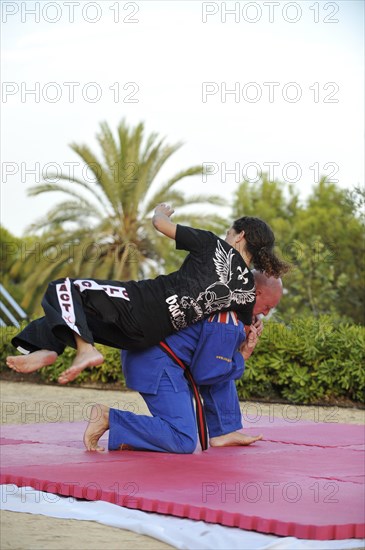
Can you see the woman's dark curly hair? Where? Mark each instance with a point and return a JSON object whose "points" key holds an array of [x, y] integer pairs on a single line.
{"points": [[260, 241]]}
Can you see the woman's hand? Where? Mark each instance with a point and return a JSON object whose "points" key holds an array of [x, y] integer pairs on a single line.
{"points": [[161, 220], [164, 209]]}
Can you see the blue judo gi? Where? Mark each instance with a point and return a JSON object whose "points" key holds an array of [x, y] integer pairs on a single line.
{"points": [[210, 349]]}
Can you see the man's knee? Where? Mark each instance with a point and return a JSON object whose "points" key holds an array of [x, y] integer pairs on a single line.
{"points": [[190, 446], [186, 442]]}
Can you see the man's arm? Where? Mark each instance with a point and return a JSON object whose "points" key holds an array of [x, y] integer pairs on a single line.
{"points": [[161, 220]]}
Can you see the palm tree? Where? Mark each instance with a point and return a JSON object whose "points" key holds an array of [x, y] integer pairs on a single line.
{"points": [[103, 230]]}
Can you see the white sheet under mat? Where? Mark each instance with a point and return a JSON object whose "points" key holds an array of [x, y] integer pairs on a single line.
{"points": [[179, 533]]}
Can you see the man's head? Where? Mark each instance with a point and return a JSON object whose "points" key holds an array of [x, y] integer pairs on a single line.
{"points": [[269, 291]]}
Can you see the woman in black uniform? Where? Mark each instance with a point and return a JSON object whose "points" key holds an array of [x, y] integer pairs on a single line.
{"points": [[215, 276]]}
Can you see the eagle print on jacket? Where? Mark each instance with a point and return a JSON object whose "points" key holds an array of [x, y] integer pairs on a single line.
{"points": [[219, 295]]}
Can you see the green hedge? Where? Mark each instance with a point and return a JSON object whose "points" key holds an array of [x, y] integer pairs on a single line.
{"points": [[313, 360]]}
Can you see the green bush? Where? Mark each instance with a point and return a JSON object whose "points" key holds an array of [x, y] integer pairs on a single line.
{"points": [[309, 361]]}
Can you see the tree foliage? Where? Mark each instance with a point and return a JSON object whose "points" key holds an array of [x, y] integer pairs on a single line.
{"points": [[11, 252], [322, 237]]}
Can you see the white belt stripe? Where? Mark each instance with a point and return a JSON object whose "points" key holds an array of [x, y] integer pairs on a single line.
{"points": [[110, 290], [66, 304]]}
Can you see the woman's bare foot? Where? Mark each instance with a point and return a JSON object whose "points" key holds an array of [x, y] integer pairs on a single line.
{"points": [[32, 361], [98, 425], [89, 357], [233, 438]]}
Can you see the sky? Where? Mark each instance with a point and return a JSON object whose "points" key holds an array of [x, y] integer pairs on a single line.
{"points": [[248, 87]]}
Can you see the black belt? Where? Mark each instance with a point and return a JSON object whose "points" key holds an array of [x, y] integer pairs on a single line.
{"points": [[200, 415]]}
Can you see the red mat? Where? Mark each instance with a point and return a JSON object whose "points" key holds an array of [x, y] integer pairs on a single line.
{"points": [[305, 480]]}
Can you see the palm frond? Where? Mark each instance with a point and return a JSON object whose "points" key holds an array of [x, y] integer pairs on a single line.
{"points": [[165, 153], [48, 187], [108, 146], [67, 211], [103, 179], [85, 185], [161, 193], [209, 199]]}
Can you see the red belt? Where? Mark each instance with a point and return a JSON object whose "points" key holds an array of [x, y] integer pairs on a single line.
{"points": [[200, 415]]}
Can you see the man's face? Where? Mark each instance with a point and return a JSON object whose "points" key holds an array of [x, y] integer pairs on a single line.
{"points": [[265, 301]]}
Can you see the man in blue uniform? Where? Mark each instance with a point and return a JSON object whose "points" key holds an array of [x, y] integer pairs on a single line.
{"points": [[215, 351]]}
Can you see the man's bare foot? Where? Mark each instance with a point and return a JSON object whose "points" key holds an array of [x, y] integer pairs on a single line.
{"points": [[98, 425], [233, 438], [83, 359], [32, 361]]}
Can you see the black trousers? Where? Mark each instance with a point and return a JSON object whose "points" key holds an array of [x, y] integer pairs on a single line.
{"points": [[98, 311]]}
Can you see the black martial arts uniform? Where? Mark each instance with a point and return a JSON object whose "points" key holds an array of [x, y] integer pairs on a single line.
{"points": [[137, 314]]}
